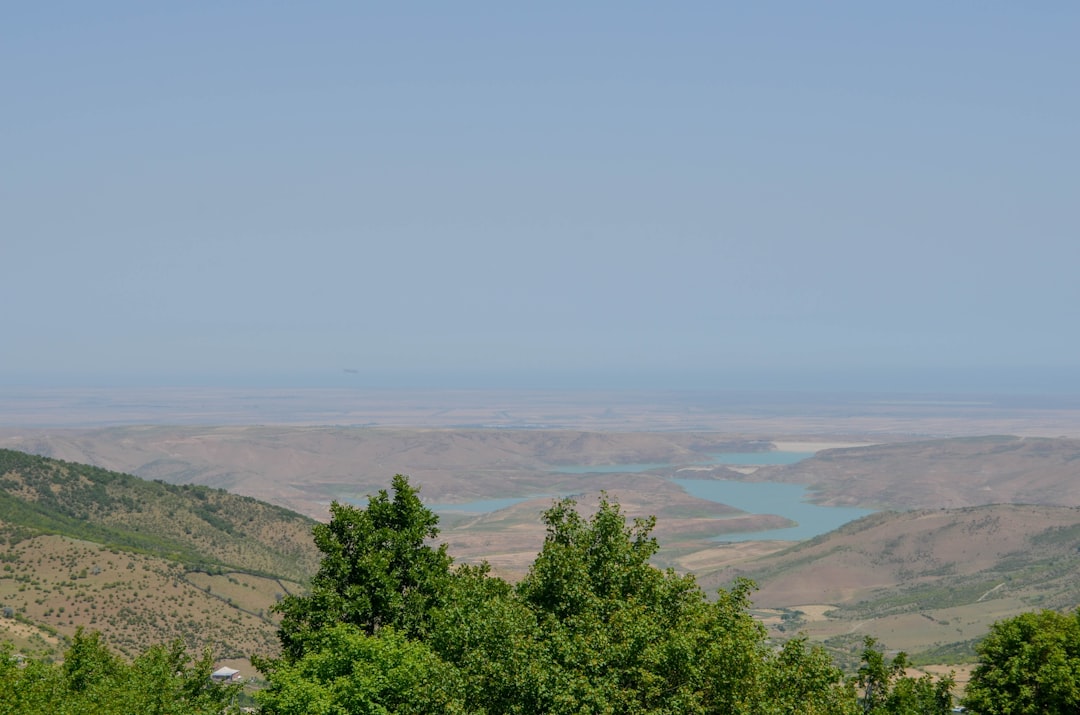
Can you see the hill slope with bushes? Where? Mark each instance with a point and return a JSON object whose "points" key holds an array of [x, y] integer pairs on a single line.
{"points": [[143, 562]]}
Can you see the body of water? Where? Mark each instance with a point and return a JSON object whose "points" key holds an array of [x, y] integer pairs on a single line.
{"points": [[787, 500]]}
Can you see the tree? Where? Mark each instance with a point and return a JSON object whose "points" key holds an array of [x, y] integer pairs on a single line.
{"points": [[345, 670], [168, 681], [1028, 664], [619, 635], [378, 570], [162, 681], [615, 632], [89, 662], [805, 681], [888, 690], [493, 639], [594, 627]]}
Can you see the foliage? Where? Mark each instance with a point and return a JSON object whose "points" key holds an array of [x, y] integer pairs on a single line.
{"points": [[888, 690], [193, 525], [493, 639], [162, 681], [344, 669], [1028, 664], [389, 626], [377, 570], [803, 681], [125, 555]]}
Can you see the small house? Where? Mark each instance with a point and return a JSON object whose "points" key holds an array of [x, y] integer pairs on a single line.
{"points": [[225, 675]]}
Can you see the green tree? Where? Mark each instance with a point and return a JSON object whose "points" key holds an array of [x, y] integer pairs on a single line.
{"points": [[378, 569], [168, 681], [616, 632], [89, 662], [621, 636], [1028, 664], [493, 639], [805, 681], [28, 686], [92, 679], [345, 670], [888, 690], [594, 627]]}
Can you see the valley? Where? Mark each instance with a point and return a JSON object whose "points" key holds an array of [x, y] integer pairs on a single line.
{"points": [[964, 529]]}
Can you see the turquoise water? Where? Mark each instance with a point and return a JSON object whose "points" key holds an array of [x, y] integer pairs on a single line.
{"points": [[787, 500]]}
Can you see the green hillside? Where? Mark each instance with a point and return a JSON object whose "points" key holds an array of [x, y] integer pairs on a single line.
{"points": [[199, 527], [143, 562]]}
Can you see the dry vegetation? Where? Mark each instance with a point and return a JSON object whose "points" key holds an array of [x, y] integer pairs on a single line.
{"points": [[942, 473], [52, 585], [929, 582], [142, 562]]}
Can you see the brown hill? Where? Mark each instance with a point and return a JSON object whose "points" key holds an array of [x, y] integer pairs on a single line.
{"points": [[942, 473], [923, 581], [142, 562], [51, 585], [304, 468]]}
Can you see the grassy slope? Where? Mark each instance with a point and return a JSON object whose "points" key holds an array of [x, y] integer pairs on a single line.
{"points": [[196, 526], [141, 561]]}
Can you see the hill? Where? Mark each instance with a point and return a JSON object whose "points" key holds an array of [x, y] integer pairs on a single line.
{"points": [[304, 468], [957, 472], [928, 582], [141, 561]]}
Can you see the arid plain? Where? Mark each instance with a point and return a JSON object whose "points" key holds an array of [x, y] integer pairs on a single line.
{"points": [[894, 454]]}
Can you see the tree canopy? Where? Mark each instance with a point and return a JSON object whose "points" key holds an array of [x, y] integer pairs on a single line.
{"points": [[391, 626], [888, 690], [377, 570], [164, 680], [1028, 664]]}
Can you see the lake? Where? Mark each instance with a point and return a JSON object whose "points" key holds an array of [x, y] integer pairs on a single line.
{"points": [[787, 500]]}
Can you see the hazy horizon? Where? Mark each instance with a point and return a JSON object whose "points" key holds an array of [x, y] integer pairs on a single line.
{"points": [[957, 382]]}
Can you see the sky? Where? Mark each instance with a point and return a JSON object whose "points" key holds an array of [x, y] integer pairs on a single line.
{"points": [[675, 195]]}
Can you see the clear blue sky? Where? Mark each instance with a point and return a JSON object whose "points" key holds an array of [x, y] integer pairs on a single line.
{"points": [[616, 194]]}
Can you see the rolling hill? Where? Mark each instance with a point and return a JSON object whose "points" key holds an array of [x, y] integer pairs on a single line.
{"points": [[958, 472], [929, 581], [141, 561], [303, 468]]}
